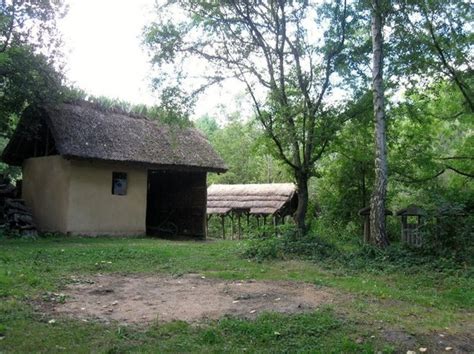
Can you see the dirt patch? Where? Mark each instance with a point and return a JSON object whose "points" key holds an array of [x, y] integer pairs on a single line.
{"points": [[138, 298], [434, 342]]}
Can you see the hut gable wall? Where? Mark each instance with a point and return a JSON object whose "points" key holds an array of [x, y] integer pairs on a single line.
{"points": [[94, 210], [45, 190]]}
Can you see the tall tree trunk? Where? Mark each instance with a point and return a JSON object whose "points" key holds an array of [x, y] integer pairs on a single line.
{"points": [[377, 203], [300, 214]]}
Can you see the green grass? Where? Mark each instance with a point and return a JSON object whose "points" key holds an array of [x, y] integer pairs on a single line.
{"points": [[320, 331], [419, 302]]}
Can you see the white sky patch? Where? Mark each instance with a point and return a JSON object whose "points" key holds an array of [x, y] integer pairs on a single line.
{"points": [[105, 58], [102, 43]]}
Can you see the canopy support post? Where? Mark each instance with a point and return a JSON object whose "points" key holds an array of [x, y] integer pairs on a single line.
{"points": [[223, 226], [239, 226]]}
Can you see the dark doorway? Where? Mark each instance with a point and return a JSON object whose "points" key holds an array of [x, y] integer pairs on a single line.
{"points": [[176, 204]]}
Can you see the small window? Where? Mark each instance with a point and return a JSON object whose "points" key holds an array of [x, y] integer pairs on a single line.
{"points": [[119, 183]]}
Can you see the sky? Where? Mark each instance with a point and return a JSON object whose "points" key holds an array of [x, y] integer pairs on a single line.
{"points": [[102, 44]]}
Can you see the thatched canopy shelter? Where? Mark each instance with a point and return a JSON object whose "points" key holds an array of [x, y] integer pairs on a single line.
{"points": [[411, 210], [365, 212], [90, 170], [259, 199], [276, 200]]}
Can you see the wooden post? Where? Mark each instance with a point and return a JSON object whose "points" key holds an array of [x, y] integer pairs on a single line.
{"points": [[401, 229], [275, 225], [232, 230], [367, 229], [239, 225], [223, 226], [207, 224], [264, 224]]}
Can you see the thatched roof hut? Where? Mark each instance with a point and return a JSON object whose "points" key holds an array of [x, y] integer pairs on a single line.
{"points": [[258, 199], [83, 130], [90, 170]]}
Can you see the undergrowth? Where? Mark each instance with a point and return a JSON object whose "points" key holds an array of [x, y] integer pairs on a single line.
{"points": [[287, 244]]}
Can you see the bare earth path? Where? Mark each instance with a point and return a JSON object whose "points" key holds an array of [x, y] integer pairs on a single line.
{"points": [[141, 299]]}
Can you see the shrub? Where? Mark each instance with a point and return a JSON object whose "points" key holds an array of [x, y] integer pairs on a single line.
{"points": [[287, 244], [284, 243]]}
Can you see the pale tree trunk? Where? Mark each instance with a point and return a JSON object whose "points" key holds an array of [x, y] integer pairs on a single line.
{"points": [[378, 230]]}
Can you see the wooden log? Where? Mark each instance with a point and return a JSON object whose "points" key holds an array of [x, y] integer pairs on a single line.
{"points": [[9, 212], [25, 219], [25, 227], [16, 204]]}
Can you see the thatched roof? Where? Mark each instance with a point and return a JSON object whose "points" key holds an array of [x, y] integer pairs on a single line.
{"points": [[411, 210], [83, 130], [264, 199], [366, 211]]}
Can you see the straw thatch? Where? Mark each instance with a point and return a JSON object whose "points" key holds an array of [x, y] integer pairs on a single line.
{"points": [[260, 199], [83, 130]]}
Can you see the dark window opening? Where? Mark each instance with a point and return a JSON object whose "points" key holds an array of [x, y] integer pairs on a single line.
{"points": [[119, 183]]}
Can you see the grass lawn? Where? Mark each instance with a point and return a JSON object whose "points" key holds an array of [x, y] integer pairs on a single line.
{"points": [[374, 311]]}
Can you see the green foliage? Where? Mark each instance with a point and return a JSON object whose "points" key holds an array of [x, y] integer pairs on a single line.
{"points": [[29, 57], [430, 163], [244, 148], [347, 172], [437, 256], [286, 242], [433, 39], [26, 78]]}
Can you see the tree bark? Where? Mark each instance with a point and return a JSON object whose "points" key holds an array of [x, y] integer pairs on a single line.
{"points": [[377, 203], [302, 208]]}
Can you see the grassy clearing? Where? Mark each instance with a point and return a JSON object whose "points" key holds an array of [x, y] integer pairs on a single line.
{"points": [[420, 302]]}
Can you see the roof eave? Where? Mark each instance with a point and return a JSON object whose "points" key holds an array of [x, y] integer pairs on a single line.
{"points": [[152, 166]]}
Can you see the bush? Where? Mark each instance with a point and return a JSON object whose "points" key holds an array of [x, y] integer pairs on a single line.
{"points": [[287, 244]]}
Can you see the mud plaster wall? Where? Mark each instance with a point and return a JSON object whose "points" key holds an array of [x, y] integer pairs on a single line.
{"points": [[45, 190], [94, 210]]}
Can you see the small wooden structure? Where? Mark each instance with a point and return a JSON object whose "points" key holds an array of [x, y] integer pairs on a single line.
{"points": [[275, 200], [411, 220], [365, 212]]}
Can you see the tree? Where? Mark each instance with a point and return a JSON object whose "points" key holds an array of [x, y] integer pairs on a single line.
{"points": [[377, 202], [242, 145], [347, 169], [433, 39], [431, 136], [270, 46], [29, 57]]}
